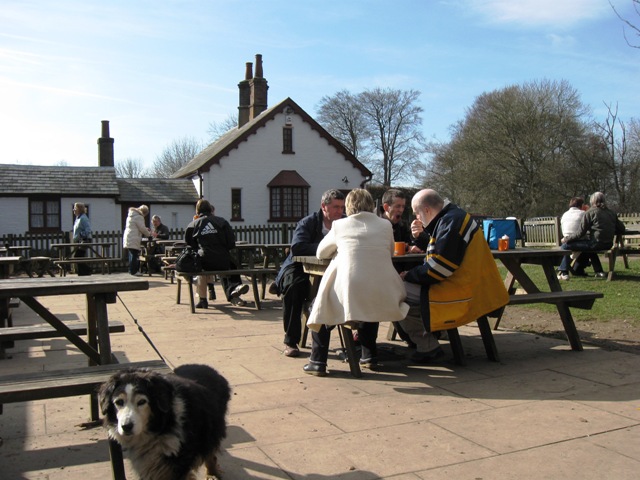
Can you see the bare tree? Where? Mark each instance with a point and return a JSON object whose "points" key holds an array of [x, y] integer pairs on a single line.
{"points": [[342, 117], [217, 129], [634, 28], [622, 160], [381, 127], [130, 168], [176, 155]]}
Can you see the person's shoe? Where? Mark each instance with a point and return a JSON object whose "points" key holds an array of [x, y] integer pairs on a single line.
{"points": [[238, 302], [212, 293], [273, 289], [563, 276], [316, 369], [202, 304], [600, 275], [578, 273], [290, 351], [370, 363], [434, 356], [138, 274], [239, 290]]}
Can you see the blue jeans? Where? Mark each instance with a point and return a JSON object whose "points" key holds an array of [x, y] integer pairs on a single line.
{"points": [[134, 261]]}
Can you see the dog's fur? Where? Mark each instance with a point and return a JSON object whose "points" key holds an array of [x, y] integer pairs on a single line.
{"points": [[168, 424]]}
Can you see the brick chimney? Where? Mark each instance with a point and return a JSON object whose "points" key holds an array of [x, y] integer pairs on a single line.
{"points": [[253, 93], [105, 147]]}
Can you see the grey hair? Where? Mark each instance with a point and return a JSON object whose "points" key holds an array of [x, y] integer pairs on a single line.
{"points": [[330, 195], [597, 200], [156, 217]]}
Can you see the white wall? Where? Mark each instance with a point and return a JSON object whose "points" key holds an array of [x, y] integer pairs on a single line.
{"points": [[173, 216], [12, 215], [255, 162]]}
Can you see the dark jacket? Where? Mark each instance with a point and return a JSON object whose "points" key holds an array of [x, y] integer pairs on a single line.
{"points": [[213, 237], [162, 232], [601, 225], [305, 241]]}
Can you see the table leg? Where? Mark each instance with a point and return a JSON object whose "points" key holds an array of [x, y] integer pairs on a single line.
{"points": [[117, 461], [569, 327]]}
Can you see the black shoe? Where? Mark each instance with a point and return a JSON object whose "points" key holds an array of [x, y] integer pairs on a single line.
{"points": [[434, 356], [212, 294], [316, 369], [600, 275], [273, 289], [202, 304], [578, 273], [239, 290]]}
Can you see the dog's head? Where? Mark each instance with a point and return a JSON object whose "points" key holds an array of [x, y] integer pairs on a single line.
{"points": [[134, 401]]}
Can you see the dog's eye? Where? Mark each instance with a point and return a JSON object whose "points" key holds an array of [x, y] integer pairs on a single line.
{"points": [[119, 402], [142, 401]]}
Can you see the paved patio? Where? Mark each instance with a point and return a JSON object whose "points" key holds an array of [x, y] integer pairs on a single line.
{"points": [[544, 411]]}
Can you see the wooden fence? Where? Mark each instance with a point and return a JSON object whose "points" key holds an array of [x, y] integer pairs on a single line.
{"points": [[40, 243]]}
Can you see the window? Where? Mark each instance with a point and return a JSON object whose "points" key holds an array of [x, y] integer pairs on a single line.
{"points": [[44, 215], [236, 204], [287, 140], [289, 204]]}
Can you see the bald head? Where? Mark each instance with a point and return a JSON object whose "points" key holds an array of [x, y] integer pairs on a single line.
{"points": [[426, 204]]}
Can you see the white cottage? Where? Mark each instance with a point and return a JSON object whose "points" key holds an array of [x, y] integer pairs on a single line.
{"points": [[275, 166]]}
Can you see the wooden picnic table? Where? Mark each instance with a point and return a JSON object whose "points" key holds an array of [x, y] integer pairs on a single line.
{"points": [[269, 252], [19, 250], [6, 268], [99, 250]]}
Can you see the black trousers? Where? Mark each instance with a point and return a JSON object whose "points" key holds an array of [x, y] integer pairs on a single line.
{"points": [[82, 268], [367, 334], [293, 300]]}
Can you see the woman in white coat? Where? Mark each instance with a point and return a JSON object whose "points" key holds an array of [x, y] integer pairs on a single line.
{"points": [[359, 285], [134, 231]]}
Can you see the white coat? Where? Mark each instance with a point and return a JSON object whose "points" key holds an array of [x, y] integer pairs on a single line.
{"points": [[360, 284], [135, 229]]}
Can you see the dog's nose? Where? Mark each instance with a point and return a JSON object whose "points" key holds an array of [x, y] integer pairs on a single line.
{"points": [[127, 427]]}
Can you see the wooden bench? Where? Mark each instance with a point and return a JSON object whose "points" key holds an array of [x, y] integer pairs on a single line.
{"points": [[105, 263], [38, 266], [27, 387], [252, 273], [571, 298], [44, 330]]}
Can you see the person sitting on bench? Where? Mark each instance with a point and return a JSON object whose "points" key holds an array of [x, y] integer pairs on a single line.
{"points": [[213, 238], [459, 281]]}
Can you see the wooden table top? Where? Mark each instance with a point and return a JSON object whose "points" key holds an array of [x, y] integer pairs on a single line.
{"points": [[103, 244], [34, 287]]}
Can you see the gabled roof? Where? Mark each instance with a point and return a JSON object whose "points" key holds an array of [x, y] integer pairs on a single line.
{"points": [[157, 190], [78, 181], [213, 153]]}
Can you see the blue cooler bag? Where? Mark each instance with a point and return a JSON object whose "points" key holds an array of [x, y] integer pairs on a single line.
{"points": [[495, 228]]}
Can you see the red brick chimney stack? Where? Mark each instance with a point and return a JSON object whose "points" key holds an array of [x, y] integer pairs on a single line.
{"points": [[253, 93], [105, 147]]}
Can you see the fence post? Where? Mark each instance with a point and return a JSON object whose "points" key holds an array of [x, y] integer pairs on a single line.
{"points": [[558, 231]]}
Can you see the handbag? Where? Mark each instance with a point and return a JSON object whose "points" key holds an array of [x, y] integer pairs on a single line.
{"points": [[188, 261], [495, 228]]}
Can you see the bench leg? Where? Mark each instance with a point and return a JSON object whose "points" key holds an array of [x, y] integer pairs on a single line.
{"points": [[346, 334], [191, 299], [256, 292], [569, 326], [179, 287], [487, 339], [456, 346], [117, 461]]}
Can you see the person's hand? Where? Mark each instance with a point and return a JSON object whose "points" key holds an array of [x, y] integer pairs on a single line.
{"points": [[415, 249], [563, 240], [416, 228], [402, 275]]}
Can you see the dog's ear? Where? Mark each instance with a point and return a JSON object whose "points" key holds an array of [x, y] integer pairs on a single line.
{"points": [[162, 392], [105, 393]]}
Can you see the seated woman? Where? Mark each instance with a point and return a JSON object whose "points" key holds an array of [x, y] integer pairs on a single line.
{"points": [[359, 285], [213, 237]]}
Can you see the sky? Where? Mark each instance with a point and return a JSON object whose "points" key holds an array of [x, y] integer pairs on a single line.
{"points": [[164, 70]]}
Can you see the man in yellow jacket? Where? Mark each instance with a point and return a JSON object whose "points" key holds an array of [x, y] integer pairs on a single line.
{"points": [[459, 280]]}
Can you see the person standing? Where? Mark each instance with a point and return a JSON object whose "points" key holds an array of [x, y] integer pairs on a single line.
{"points": [[81, 234], [213, 238], [359, 285], [134, 231], [292, 282]]}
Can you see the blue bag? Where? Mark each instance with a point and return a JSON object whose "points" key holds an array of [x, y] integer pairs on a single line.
{"points": [[495, 228]]}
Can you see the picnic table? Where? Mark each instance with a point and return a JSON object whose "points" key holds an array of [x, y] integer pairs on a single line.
{"points": [[269, 252], [99, 291], [19, 250], [98, 250]]}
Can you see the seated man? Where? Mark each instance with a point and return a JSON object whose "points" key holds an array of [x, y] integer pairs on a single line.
{"points": [[459, 281], [213, 238], [598, 229], [158, 232]]}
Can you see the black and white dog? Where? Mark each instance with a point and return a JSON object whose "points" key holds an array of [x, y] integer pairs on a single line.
{"points": [[169, 424]]}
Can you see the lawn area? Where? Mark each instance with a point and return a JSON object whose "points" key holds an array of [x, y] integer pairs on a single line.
{"points": [[621, 296]]}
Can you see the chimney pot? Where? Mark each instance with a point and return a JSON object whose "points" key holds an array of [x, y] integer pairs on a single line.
{"points": [[248, 74]]}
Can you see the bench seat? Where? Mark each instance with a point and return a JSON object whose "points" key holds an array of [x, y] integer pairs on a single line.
{"points": [[576, 298], [26, 387], [252, 273], [105, 263]]}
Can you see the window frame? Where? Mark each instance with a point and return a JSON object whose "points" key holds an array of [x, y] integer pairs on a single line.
{"points": [[283, 199], [287, 140], [236, 192], [46, 201]]}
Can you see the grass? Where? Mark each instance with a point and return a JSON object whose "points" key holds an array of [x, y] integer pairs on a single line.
{"points": [[621, 296]]}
